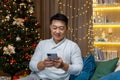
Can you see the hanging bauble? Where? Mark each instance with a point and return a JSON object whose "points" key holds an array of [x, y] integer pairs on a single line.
{"points": [[18, 38], [12, 61], [22, 5], [9, 36], [15, 77], [5, 0], [31, 10], [25, 48], [37, 24], [29, 0], [7, 7], [1, 41], [27, 57], [8, 17], [34, 45], [25, 19]]}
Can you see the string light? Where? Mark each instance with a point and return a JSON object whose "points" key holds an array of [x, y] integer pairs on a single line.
{"points": [[78, 12], [61, 5]]}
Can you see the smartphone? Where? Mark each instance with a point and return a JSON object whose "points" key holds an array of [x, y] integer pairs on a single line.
{"points": [[52, 56]]}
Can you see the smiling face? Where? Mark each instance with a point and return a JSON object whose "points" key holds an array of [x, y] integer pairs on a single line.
{"points": [[58, 30]]}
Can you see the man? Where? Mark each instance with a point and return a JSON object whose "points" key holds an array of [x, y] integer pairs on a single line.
{"points": [[69, 60]]}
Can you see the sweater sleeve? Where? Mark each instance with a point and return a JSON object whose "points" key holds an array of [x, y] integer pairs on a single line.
{"points": [[35, 58], [76, 61]]}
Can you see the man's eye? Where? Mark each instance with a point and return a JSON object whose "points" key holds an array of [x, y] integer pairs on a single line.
{"points": [[54, 27], [61, 28]]}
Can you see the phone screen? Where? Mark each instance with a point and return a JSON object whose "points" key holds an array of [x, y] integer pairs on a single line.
{"points": [[52, 56]]}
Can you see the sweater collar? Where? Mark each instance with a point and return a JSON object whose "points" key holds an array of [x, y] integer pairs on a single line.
{"points": [[58, 44]]}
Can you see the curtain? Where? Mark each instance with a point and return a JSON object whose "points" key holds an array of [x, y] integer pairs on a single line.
{"points": [[79, 13]]}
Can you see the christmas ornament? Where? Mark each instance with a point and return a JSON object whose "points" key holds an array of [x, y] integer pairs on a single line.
{"points": [[8, 17], [5, 0], [29, 0], [9, 36], [19, 22], [9, 49], [1, 41], [22, 5], [16, 77], [37, 24], [25, 49], [27, 57], [34, 45], [12, 61], [7, 7], [18, 38], [31, 10], [25, 19]]}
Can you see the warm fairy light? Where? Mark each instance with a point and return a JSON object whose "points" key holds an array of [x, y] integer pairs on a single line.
{"points": [[81, 11], [62, 5]]}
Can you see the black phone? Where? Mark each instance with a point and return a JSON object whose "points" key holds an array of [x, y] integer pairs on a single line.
{"points": [[52, 56]]}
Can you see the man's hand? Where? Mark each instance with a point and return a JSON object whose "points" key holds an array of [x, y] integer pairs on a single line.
{"points": [[50, 63], [46, 63], [60, 64]]}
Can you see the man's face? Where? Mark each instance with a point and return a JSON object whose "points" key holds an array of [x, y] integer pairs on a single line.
{"points": [[58, 30]]}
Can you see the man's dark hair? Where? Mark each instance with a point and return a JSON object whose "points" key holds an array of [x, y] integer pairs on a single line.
{"points": [[59, 16]]}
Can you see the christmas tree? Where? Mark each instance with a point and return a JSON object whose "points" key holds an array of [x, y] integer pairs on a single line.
{"points": [[19, 34]]}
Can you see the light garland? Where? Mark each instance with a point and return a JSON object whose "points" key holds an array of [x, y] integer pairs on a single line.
{"points": [[80, 11], [61, 4]]}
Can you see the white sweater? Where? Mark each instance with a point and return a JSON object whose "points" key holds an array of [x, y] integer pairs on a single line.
{"points": [[66, 49]]}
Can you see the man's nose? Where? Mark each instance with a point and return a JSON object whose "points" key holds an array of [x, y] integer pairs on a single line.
{"points": [[58, 30]]}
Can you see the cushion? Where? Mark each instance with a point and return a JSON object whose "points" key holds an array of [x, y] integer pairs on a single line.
{"points": [[117, 68], [104, 68], [88, 69], [112, 76]]}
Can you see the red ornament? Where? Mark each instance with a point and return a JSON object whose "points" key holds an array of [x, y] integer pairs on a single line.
{"points": [[1, 41], [7, 7], [34, 45], [27, 57], [12, 61], [16, 77], [5, 0], [25, 19], [9, 36], [37, 24], [25, 49]]}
